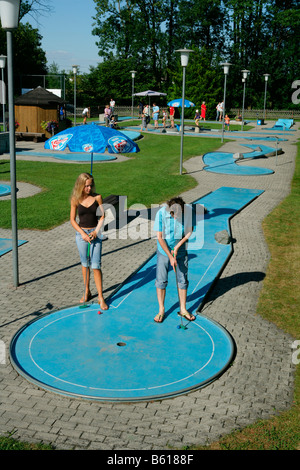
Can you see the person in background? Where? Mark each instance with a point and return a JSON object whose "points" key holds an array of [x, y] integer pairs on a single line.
{"points": [[172, 113], [203, 111], [221, 111], [155, 114], [113, 123], [107, 115], [164, 117], [218, 108], [145, 116], [112, 105], [85, 113], [227, 121], [141, 107]]}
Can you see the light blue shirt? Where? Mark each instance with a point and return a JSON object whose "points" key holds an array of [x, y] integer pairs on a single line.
{"points": [[155, 112], [173, 230]]}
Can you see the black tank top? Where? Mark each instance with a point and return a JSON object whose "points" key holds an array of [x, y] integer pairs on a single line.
{"points": [[87, 215]]}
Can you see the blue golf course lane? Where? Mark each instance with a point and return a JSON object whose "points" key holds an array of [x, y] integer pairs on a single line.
{"points": [[225, 163], [121, 354], [6, 245], [5, 189]]}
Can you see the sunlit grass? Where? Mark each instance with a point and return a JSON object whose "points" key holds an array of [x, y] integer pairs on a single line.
{"points": [[148, 177], [279, 302]]}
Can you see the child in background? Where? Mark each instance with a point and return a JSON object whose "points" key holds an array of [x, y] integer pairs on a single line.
{"points": [[197, 118], [112, 123], [227, 121], [164, 117]]}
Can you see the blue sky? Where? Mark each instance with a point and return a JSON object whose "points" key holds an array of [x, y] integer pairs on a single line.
{"points": [[67, 34]]}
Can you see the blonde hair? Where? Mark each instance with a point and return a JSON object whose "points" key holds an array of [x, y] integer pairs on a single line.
{"points": [[79, 187]]}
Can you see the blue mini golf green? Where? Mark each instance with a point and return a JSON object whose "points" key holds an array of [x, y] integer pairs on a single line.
{"points": [[225, 163], [6, 245], [5, 189], [122, 354]]}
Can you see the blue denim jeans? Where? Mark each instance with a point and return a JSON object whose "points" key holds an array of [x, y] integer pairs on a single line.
{"points": [[163, 267], [95, 250]]}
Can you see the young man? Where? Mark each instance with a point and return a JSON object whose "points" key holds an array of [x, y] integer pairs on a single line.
{"points": [[85, 113], [112, 105], [173, 224], [155, 114]]}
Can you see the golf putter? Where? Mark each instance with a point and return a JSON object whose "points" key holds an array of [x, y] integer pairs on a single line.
{"points": [[84, 305], [181, 326]]}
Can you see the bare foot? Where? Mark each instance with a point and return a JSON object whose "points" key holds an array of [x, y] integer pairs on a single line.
{"points": [[102, 303], [86, 297]]}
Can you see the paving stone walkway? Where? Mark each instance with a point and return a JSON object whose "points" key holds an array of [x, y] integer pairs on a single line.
{"points": [[259, 383]]}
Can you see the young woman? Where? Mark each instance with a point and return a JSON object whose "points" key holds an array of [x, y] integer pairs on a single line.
{"points": [[84, 203]]}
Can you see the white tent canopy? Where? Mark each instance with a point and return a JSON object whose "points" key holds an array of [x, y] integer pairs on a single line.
{"points": [[150, 93]]}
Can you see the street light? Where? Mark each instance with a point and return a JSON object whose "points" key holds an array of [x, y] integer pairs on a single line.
{"points": [[266, 75], [9, 14], [225, 66], [75, 73], [2, 67], [133, 72], [184, 56], [245, 76]]}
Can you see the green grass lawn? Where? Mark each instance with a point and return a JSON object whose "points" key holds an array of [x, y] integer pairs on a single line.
{"points": [[148, 177]]}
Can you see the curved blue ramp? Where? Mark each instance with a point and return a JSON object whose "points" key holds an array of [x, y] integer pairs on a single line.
{"points": [[133, 135], [122, 354]]}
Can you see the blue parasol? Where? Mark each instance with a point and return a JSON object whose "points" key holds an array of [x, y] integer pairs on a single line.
{"points": [[178, 103], [92, 138]]}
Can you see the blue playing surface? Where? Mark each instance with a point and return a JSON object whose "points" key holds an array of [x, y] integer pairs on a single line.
{"points": [[225, 163], [122, 354], [5, 189], [6, 245]]}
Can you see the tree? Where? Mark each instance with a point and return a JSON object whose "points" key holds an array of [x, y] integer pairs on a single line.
{"points": [[263, 36], [141, 31], [28, 55]]}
